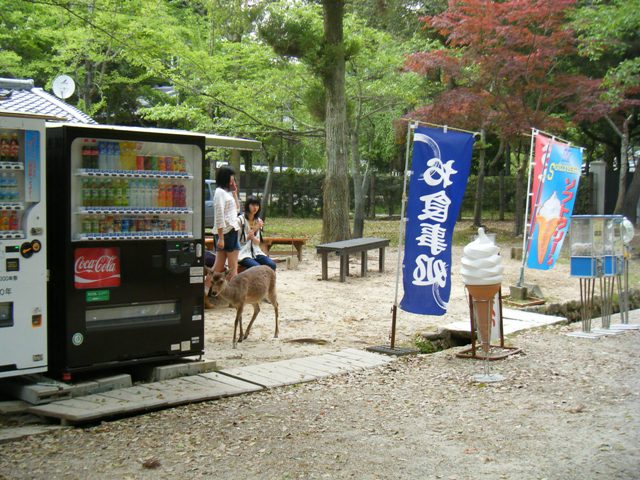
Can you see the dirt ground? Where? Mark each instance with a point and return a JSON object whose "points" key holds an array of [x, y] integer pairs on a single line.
{"points": [[319, 316], [568, 408]]}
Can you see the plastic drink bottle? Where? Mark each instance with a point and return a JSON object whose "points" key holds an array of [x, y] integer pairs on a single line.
{"points": [[14, 152]]}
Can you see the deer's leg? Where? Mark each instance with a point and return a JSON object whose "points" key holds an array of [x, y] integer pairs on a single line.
{"points": [[275, 308], [238, 325], [274, 301], [256, 311]]}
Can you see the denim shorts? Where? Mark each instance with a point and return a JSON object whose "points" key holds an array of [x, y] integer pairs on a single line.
{"points": [[231, 242]]}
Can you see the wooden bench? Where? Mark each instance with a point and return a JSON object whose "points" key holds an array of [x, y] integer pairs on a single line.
{"points": [[345, 248], [296, 246], [267, 244]]}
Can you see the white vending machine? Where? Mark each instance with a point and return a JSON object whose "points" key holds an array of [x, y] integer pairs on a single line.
{"points": [[23, 266]]}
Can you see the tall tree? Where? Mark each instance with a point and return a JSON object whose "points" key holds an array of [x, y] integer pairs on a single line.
{"points": [[293, 29], [609, 35], [503, 67], [335, 211]]}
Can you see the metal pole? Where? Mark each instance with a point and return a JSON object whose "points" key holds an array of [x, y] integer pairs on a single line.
{"points": [[445, 127], [410, 128], [534, 132]]}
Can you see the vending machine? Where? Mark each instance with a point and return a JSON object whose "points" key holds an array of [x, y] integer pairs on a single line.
{"points": [[126, 246], [23, 274]]}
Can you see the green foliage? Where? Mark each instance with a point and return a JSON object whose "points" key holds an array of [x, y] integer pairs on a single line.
{"points": [[425, 346]]}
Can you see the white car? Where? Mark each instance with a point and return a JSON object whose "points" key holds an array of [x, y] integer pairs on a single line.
{"points": [[209, 190]]}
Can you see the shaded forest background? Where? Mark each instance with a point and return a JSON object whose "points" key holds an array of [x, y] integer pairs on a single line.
{"points": [[269, 70]]}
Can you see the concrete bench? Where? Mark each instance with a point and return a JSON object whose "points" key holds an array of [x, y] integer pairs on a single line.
{"points": [[345, 248], [295, 243]]}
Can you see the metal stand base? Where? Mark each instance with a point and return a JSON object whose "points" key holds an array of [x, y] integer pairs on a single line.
{"points": [[488, 378], [625, 326], [396, 351], [590, 335], [495, 353]]}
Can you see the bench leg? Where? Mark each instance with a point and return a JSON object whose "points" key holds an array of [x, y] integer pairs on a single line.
{"points": [[299, 249], [325, 273], [344, 267], [363, 263], [381, 260]]}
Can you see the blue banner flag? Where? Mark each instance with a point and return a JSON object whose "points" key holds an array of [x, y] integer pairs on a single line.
{"points": [[440, 166], [555, 203]]}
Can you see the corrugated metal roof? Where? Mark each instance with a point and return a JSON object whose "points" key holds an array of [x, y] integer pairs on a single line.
{"points": [[20, 96]]}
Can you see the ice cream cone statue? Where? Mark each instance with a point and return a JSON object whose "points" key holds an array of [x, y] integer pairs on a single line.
{"points": [[482, 275], [547, 221]]}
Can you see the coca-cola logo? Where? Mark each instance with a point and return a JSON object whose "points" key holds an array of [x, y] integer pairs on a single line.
{"points": [[105, 263], [97, 267]]}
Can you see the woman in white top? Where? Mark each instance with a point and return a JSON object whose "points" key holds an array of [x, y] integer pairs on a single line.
{"points": [[251, 235], [226, 224]]}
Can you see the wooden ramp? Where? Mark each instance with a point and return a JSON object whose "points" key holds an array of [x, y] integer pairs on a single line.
{"points": [[206, 386]]}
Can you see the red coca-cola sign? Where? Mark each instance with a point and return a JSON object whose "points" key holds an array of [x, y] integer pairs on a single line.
{"points": [[96, 267]]}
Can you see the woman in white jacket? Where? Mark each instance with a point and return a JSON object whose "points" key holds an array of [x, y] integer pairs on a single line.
{"points": [[226, 224], [251, 235]]}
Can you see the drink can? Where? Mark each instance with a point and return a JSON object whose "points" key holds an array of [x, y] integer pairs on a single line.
{"points": [[153, 162], [168, 163], [147, 162], [139, 162], [86, 225]]}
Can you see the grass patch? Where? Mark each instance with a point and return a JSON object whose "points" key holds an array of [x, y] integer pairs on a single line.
{"points": [[311, 228]]}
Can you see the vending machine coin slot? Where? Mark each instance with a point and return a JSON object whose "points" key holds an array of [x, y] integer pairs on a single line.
{"points": [[180, 256]]}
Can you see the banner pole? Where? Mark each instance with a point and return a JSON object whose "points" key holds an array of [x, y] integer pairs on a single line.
{"points": [[444, 127], [411, 127], [525, 233]]}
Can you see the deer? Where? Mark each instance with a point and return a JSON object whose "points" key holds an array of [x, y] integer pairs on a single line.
{"points": [[251, 286]]}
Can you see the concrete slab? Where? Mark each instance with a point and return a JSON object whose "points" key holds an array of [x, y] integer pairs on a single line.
{"points": [[535, 318], [158, 373], [9, 407]]}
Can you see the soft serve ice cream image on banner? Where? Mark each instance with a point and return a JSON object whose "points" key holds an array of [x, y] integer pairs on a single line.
{"points": [[482, 275], [546, 222]]}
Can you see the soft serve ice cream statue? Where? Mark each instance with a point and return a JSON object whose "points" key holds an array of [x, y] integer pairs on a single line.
{"points": [[482, 275]]}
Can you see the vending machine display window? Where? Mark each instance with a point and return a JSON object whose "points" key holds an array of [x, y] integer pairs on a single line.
{"points": [[130, 190]]}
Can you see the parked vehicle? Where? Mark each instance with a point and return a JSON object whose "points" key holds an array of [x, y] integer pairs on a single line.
{"points": [[209, 190]]}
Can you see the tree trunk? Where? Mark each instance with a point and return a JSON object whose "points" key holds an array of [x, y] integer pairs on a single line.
{"points": [[335, 213], [520, 193], [477, 207], [501, 196], [359, 181], [624, 163], [632, 197], [372, 196], [266, 194]]}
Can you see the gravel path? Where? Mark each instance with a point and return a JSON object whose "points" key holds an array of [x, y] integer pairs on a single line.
{"points": [[569, 409]]}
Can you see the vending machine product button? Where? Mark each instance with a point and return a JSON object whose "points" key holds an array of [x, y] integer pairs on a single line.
{"points": [[13, 264]]}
